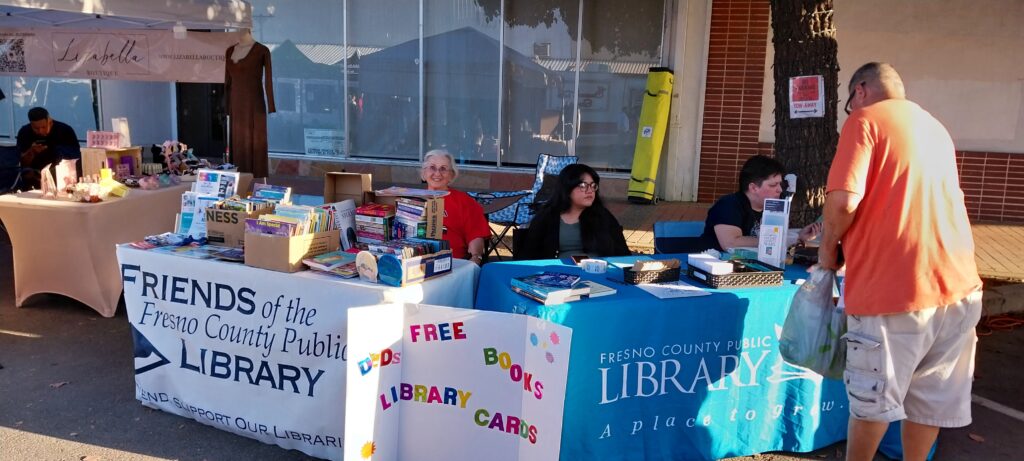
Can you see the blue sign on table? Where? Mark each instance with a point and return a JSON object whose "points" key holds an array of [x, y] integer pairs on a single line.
{"points": [[689, 378]]}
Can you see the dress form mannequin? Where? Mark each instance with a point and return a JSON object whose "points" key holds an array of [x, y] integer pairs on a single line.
{"points": [[245, 43], [249, 94]]}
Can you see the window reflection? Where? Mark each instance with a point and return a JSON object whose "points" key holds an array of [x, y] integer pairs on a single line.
{"points": [[613, 76], [481, 115], [305, 39], [5, 107], [386, 83], [67, 100], [539, 83], [462, 53]]}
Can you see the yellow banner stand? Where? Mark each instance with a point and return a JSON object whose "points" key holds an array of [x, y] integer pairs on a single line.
{"points": [[650, 135]]}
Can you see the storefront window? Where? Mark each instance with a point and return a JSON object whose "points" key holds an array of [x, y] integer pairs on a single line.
{"points": [[68, 100], [384, 96], [539, 82], [621, 40], [6, 120], [498, 77], [305, 39], [462, 54]]}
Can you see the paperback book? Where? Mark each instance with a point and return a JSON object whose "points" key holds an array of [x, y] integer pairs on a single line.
{"points": [[330, 261], [550, 287]]}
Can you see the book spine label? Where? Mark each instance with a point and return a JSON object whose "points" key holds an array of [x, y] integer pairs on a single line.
{"points": [[371, 219]]}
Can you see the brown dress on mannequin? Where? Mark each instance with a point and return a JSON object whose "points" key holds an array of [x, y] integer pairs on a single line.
{"points": [[244, 83]]}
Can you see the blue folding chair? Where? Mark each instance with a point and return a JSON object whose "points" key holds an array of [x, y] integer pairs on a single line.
{"points": [[679, 237], [520, 212]]}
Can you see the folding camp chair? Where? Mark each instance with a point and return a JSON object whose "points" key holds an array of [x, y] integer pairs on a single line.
{"points": [[10, 169], [519, 212], [679, 237]]}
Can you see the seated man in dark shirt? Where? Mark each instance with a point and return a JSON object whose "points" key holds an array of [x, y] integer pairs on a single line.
{"points": [[44, 141], [735, 219]]}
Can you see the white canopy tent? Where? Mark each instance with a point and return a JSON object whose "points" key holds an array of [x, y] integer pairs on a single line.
{"points": [[132, 14], [150, 106]]}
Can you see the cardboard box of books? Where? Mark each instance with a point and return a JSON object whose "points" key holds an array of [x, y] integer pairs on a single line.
{"points": [[344, 186], [227, 227], [285, 253], [226, 219], [395, 271], [411, 260]]}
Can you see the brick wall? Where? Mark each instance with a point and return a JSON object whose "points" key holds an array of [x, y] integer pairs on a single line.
{"points": [[993, 183], [732, 97]]}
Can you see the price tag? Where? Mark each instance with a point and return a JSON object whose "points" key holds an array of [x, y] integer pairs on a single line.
{"points": [[443, 264]]}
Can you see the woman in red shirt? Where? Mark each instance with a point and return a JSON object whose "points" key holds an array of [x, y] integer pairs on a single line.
{"points": [[465, 227]]}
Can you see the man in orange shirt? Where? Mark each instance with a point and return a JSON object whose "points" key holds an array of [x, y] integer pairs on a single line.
{"points": [[912, 290]]}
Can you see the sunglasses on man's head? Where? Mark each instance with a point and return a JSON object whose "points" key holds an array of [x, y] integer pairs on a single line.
{"points": [[849, 100]]}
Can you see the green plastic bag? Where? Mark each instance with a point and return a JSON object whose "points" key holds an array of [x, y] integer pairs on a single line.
{"points": [[814, 328]]}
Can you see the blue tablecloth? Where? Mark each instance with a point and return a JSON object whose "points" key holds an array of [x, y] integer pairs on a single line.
{"points": [[688, 378]]}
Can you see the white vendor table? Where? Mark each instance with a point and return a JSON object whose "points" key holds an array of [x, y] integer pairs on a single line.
{"points": [[66, 247], [256, 352]]}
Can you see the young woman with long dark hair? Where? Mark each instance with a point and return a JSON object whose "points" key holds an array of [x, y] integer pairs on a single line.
{"points": [[574, 221]]}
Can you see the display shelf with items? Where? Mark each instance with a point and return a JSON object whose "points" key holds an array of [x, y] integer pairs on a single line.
{"points": [[96, 158]]}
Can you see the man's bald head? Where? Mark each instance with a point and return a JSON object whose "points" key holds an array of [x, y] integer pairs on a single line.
{"points": [[881, 78]]}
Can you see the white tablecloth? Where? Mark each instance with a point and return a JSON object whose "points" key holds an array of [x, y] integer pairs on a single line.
{"points": [[67, 247], [256, 352]]}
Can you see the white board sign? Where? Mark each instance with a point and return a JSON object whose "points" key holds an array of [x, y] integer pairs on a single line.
{"points": [[328, 143], [434, 383]]}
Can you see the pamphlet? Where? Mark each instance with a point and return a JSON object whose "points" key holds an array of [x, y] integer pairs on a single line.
{"points": [[221, 184], [771, 239], [188, 211], [676, 289], [197, 228]]}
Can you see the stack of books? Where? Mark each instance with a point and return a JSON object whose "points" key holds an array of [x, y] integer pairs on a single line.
{"points": [[409, 247], [243, 204], [337, 263], [410, 218], [288, 220], [551, 288], [271, 193], [373, 223]]}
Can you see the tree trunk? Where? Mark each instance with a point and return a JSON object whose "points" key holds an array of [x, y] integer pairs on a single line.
{"points": [[805, 44]]}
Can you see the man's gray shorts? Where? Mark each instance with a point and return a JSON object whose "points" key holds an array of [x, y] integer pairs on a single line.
{"points": [[916, 365]]}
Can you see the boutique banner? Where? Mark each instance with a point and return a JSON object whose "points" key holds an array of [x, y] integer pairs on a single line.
{"points": [[435, 383], [115, 54], [253, 352]]}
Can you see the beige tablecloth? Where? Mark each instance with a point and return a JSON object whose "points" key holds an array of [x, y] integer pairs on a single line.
{"points": [[67, 247]]}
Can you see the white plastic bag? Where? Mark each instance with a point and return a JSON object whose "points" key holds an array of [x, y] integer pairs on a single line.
{"points": [[812, 334]]}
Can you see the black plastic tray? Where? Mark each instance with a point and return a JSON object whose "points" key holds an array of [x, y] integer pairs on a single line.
{"points": [[660, 276], [746, 273]]}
